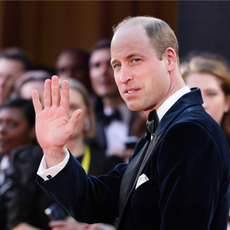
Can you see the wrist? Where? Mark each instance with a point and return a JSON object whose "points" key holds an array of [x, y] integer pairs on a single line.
{"points": [[55, 155]]}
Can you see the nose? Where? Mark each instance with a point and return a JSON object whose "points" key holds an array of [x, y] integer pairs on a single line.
{"points": [[124, 75], [3, 80]]}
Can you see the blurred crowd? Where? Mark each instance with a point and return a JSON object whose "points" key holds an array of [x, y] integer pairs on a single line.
{"points": [[106, 134]]}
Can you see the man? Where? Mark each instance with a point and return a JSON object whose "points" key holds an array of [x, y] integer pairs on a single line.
{"points": [[114, 119], [180, 169], [13, 63], [73, 63]]}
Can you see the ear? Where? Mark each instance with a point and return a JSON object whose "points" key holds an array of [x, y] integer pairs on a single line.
{"points": [[171, 58]]}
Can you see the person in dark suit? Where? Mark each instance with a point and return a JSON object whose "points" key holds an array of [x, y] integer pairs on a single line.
{"points": [[177, 178]]}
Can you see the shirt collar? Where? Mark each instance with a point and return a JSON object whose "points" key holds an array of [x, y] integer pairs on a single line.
{"points": [[170, 101]]}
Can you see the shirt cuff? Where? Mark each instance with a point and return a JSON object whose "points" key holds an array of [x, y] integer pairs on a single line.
{"points": [[48, 173]]}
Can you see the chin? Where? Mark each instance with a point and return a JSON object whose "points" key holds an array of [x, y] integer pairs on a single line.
{"points": [[134, 107]]}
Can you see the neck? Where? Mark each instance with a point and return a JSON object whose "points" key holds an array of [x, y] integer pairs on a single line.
{"points": [[76, 146], [174, 87]]}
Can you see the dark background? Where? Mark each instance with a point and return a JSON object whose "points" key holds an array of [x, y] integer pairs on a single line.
{"points": [[44, 28]]}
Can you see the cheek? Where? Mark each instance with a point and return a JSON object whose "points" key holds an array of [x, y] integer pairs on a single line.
{"points": [[19, 137], [70, 112], [79, 127], [94, 75], [216, 109]]}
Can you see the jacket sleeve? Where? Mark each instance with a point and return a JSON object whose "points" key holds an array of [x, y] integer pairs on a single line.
{"points": [[86, 198]]}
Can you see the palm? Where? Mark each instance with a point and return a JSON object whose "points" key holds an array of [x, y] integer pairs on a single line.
{"points": [[53, 126]]}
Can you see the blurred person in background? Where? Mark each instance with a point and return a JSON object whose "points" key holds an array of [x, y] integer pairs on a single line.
{"points": [[91, 157], [13, 63], [22, 202], [73, 63], [33, 79], [211, 73], [114, 119]]}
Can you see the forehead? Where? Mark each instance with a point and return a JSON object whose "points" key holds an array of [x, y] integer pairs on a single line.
{"points": [[202, 80], [75, 96], [11, 113], [30, 85], [129, 39], [70, 58], [8, 65], [100, 55]]}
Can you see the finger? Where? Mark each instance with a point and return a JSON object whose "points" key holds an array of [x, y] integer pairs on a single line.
{"points": [[36, 102], [55, 91], [47, 93], [65, 95], [73, 120]]}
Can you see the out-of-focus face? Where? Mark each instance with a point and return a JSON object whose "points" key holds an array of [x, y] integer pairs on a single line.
{"points": [[28, 87], [73, 66], [215, 101], [10, 70], [14, 130], [142, 79], [77, 102], [101, 74]]}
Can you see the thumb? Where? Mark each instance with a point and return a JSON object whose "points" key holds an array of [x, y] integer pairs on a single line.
{"points": [[73, 120]]}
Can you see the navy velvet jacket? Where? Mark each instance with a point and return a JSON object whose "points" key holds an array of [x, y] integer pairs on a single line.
{"points": [[188, 171]]}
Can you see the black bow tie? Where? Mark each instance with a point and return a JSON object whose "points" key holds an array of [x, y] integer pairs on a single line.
{"points": [[152, 123], [114, 116]]}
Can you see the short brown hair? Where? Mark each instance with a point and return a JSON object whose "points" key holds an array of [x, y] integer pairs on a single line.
{"points": [[160, 35]]}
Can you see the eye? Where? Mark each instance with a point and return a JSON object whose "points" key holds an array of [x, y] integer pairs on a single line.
{"points": [[12, 124], [61, 70], [95, 65], [73, 107], [136, 60], [115, 66], [212, 94]]}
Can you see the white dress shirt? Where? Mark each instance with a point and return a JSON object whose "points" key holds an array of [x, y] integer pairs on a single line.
{"points": [[117, 131]]}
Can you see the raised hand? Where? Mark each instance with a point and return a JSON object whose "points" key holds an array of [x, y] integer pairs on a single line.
{"points": [[53, 125]]}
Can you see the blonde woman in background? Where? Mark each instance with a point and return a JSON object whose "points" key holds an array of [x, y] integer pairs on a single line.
{"points": [[211, 74]]}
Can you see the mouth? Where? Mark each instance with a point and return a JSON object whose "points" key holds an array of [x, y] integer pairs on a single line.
{"points": [[130, 91]]}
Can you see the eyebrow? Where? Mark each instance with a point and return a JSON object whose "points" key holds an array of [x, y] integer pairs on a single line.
{"points": [[127, 57]]}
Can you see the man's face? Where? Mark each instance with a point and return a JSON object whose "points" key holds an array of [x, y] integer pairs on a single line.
{"points": [[10, 70], [142, 79], [101, 74]]}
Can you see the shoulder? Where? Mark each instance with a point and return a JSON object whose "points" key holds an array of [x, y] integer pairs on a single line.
{"points": [[195, 139]]}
